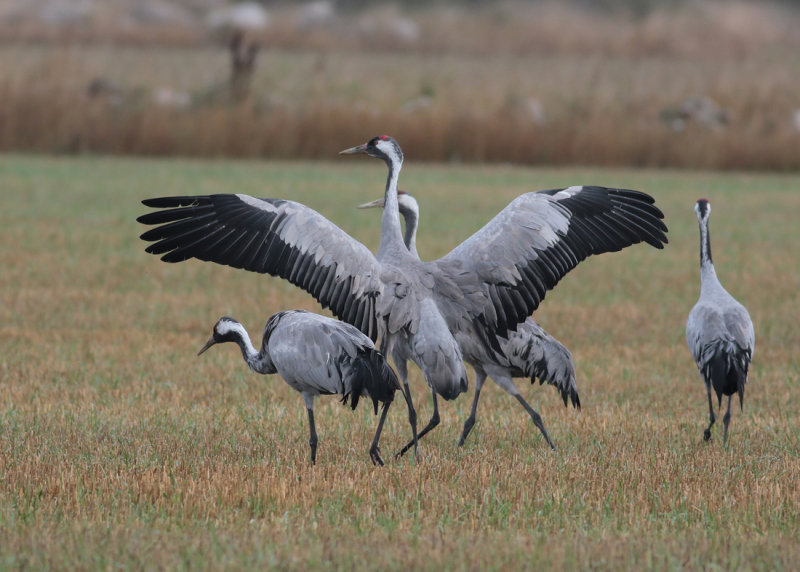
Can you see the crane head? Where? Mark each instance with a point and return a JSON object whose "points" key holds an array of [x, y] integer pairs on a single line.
{"points": [[703, 208], [225, 330], [381, 147]]}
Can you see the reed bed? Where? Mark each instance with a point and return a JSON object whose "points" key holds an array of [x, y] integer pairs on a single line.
{"points": [[540, 86]]}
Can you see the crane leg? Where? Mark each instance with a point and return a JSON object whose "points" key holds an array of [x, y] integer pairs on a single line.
{"points": [[412, 419], [537, 420], [711, 416], [431, 424], [374, 450], [312, 440], [726, 419], [402, 371], [470, 421]]}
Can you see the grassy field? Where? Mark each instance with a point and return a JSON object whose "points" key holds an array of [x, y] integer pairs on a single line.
{"points": [[120, 449]]}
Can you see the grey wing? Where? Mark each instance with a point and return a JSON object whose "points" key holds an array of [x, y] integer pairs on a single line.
{"points": [[740, 327], [327, 336], [311, 348], [539, 237], [545, 358], [272, 236], [704, 327], [438, 354]]}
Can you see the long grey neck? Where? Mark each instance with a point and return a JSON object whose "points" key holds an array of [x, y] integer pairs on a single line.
{"points": [[258, 361], [412, 221], [391, 232], [708, 276]]}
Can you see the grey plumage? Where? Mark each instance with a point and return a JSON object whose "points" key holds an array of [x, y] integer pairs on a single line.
{"points": [[496, 278], [527, 352], [317, 355], [719, 332]]}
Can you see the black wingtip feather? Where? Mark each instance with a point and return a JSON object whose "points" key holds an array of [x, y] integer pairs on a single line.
{"points": [[172, 202]]}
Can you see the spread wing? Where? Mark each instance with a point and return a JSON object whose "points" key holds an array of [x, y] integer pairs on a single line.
{"points": [[271, 236], [531, 244]]}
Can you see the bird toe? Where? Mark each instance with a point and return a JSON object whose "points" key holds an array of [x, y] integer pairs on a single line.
{"points": [[375, 456]]}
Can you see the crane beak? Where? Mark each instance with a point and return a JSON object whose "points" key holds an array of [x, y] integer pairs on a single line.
{"points": [[355, 150], [373, 204], [209, 343]]}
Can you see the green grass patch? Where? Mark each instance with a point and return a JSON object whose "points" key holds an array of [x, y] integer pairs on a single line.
{"points": [[120, 448]]}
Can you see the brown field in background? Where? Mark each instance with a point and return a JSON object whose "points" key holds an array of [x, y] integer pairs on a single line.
{"points": [[533, 84]]}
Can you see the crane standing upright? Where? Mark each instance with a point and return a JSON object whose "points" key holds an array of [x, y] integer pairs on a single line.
{"points": [[719, 332], [529, 352]]}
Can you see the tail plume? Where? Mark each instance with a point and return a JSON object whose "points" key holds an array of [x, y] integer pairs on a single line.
{"points": [[540, 356], [563, 378], [726, 370], [370, 375]]}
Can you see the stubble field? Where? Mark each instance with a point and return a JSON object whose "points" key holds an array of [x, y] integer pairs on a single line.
{"points": [[121, 449]]}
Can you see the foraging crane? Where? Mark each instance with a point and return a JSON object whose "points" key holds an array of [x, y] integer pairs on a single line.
{"points": [[719, 332], [529, 352], [495, 279], [317, 355]]}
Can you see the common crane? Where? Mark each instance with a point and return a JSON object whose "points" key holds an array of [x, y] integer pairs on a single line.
{"points": [[317, 355], [719, 332], [529, 352], [495, 279]]}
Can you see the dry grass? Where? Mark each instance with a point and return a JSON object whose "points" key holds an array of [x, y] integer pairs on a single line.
{"points": [[119, 448], [540, 84]]}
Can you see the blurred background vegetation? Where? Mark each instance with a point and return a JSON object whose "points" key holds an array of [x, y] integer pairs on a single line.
{"points": [[684, 83]]}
